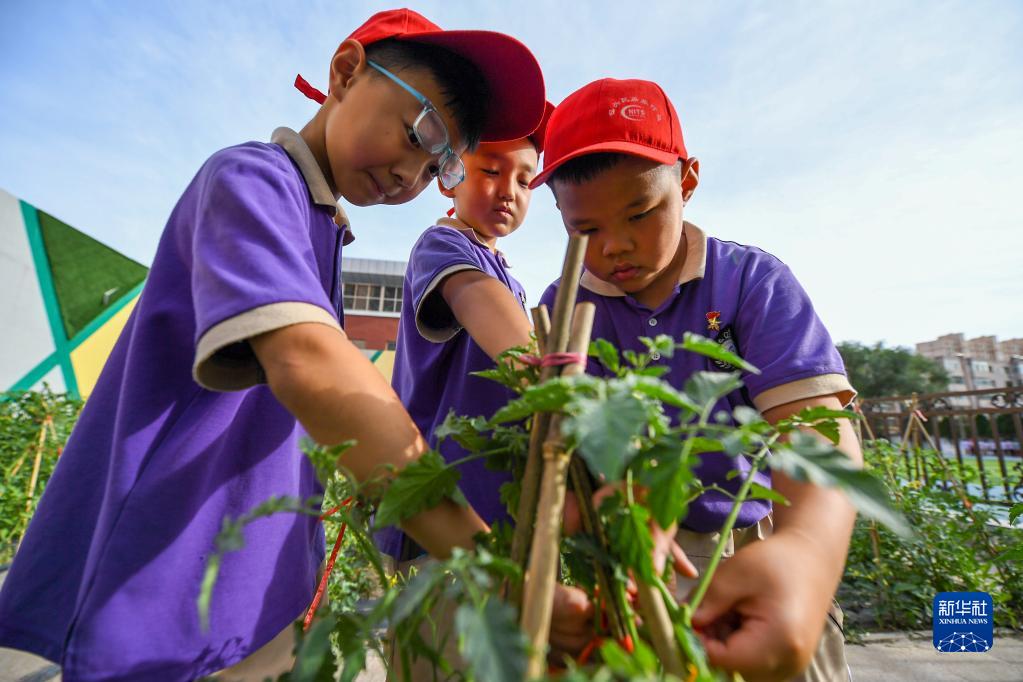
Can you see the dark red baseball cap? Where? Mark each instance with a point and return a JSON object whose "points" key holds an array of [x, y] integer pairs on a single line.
{"points": [[537, 136], [510, 70], [628, 116]]}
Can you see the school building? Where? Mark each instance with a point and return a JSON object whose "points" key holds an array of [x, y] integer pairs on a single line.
{"points": [[974, 364], [65, 297], [373, 291]]}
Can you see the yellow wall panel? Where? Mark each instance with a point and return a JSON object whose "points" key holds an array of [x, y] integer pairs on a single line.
{"points": [[89, 357], [385, 363]]}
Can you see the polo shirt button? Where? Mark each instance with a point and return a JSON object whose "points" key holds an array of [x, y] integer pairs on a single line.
{"points": [[655, 356], [653, 321]]}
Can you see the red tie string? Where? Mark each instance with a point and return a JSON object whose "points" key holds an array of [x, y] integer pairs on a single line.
{"points": [[309, 91], [554, 359], [330, 564]]}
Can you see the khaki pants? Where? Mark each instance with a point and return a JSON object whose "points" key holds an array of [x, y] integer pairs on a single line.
{"points": [[272, 660], [828, 664]]}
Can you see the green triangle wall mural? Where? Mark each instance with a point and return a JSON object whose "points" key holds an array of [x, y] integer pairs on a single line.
{"points": [[87, 275], [64, 296]]}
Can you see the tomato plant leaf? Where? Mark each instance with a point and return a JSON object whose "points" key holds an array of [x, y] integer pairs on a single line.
{"points": [[491, 641], [606, 432], [712, 349], [707, 387], [604, 350], [631, 540], [805, 458], [419, 486]]}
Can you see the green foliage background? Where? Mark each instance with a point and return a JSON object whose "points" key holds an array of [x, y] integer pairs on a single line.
{"points": [[22, 416], [877, 371]]}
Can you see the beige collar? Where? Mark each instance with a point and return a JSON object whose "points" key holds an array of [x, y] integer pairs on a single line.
{"points": [[692, 268], [466, 229], [319, 190]]}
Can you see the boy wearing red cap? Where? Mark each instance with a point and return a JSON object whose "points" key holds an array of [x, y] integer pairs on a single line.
{"points": [[620, 173], [462, 309], [235, 350]]}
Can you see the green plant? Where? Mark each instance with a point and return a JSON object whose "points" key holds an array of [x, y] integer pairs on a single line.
{"points": [[34, 427], [890, 581], [620, 427]]}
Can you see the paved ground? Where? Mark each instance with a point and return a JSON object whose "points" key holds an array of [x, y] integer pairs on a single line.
{"points": [[885, 657], [894, 657]]}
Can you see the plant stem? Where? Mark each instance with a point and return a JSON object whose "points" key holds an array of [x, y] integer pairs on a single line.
{"points": [[614, 600], [726, 530]]}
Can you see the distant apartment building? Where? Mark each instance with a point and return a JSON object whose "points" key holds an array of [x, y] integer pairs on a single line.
{"points": [[372, 297], [979, 363]]}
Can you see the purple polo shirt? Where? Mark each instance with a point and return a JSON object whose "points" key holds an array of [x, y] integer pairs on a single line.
{"points": [[434, 357], [764, 315], [180, 432]]}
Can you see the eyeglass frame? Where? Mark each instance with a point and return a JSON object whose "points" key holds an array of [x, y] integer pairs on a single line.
{"points": [[443, 149]]}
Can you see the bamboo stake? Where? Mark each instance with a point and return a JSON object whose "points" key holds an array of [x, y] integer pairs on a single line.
{"points": [[582, 485], [526, 512], [541, 575], [662, 633], [30, 493], [556, 342]]}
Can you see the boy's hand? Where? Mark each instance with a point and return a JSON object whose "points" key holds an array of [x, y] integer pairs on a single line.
{"points": [[666, 547], [764, 611], [571, 620]]}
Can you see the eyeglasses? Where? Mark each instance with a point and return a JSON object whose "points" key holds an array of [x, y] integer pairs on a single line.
{"points": [[432, 135]]}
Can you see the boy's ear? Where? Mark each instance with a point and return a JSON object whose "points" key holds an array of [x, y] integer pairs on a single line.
{"points": [[449, 193], [690, 177], [348, 61]]}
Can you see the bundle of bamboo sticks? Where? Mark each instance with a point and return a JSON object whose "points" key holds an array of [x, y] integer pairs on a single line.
{"points": [[549, 468]]}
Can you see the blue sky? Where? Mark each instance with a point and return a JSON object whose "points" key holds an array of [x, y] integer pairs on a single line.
{"points": [[875, 147]]}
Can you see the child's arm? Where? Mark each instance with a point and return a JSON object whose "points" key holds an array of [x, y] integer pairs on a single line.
{"points": [[337, 395], [776, 593], [487, 310]]}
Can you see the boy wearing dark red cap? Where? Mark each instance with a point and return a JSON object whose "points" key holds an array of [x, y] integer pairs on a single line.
{"points": [[235, 350], [620, 173]]}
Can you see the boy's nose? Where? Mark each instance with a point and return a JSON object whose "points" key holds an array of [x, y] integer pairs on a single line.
{"points": [[615, 244]]}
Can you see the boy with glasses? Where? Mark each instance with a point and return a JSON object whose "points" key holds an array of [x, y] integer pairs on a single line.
{"points": [[235, 350], [618, 167]]}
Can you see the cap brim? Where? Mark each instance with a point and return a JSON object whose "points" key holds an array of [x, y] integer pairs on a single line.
{"points": [[621, 146], [513, 76]]}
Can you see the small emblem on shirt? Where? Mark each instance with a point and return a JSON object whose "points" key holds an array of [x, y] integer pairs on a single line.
{"points": [[713, 321], [726, 339]]}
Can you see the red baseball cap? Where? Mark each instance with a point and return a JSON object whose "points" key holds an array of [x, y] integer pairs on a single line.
{"points": [[510, 70], [628, 116]]}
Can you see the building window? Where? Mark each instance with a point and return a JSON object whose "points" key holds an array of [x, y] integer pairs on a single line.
{"points": [[391, 345], [391, 302], [981, 366], [374, 297]]}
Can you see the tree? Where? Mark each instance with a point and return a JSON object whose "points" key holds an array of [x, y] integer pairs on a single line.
{"points": [[876, 371]]}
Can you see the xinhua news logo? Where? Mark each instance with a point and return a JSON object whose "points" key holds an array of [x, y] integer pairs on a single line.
{"points": [[963, 622]]}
